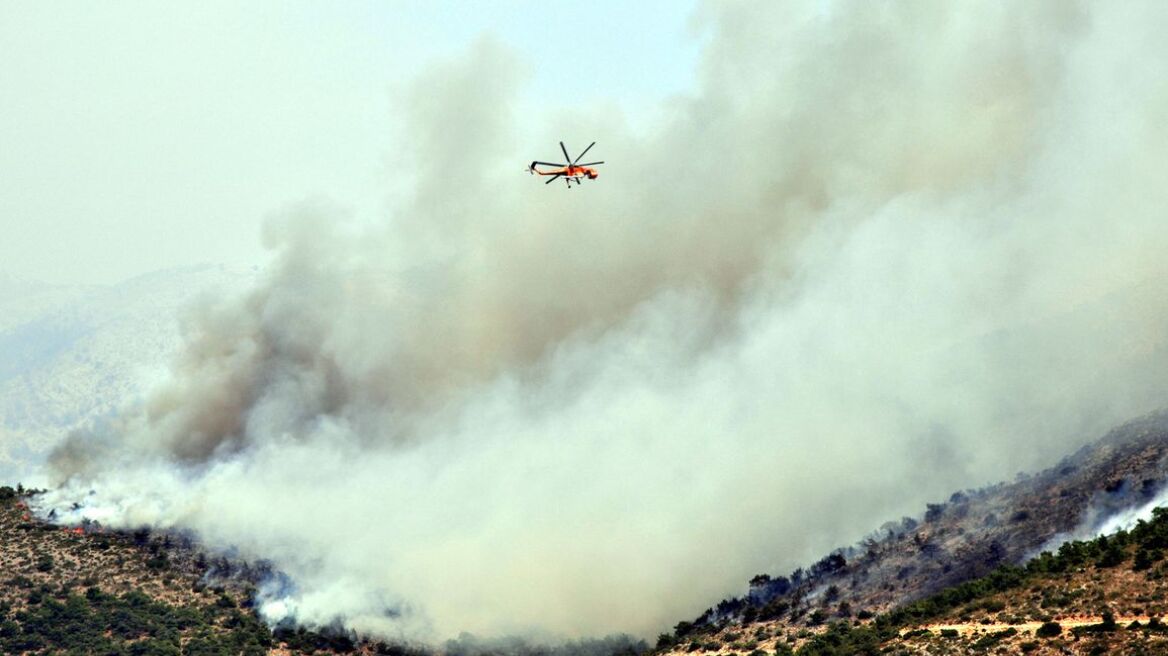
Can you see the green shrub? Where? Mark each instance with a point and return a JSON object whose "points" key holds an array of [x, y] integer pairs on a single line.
{"points": [[994, 606], [991, 639], [132, 624], [1049, 630], [158, 562]]}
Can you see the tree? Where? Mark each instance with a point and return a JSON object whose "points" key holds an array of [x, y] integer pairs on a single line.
{"points": [[933, 511], [1108, 623], [1112, 554], [1145, 558]]}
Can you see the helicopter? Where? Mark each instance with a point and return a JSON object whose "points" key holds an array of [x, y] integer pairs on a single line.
{"points": [[570, 172]]}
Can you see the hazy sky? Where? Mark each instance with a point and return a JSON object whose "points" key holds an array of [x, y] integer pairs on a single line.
{"points": [[139, 135]]}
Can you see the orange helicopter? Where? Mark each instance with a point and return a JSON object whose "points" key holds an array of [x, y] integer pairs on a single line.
{"points": [[570, 172]]}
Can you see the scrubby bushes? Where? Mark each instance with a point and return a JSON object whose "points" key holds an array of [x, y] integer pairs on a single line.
{"points": [[100, 623], [44, 563], [1144, 545], [841, 639]]}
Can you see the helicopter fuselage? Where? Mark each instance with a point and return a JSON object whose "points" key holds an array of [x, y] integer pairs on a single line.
{"points": [[570, 171]]}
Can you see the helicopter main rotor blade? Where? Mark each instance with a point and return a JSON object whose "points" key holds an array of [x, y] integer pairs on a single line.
{"points": [[554, 178], [582, 154], [588, 164], [567, 158], [547, 164]]}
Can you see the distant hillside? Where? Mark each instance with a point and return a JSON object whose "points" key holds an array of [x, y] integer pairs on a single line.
{"points": [[70, 355], [971, 535]]}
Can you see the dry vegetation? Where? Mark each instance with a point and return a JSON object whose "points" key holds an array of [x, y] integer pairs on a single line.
{"points": [[869, 598], [1105, 596], [34, 554], [87, 591]]}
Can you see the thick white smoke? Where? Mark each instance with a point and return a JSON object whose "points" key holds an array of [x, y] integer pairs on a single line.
{"points": [[886, 251]]}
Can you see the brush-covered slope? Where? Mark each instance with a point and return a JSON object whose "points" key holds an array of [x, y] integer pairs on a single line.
{"points": [[971, 535], [85, 591], [1102, 596], [65, 591]]}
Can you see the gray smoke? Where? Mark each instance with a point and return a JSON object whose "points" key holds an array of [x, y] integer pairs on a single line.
{"points": [[884, 251]]}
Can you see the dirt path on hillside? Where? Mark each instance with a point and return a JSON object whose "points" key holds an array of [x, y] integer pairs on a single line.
{"points": [[1026, 627]]}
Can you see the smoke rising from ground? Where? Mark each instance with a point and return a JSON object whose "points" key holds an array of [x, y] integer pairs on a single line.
{"points": [[885, 251]]}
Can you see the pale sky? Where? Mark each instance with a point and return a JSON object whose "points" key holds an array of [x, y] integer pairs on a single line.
{"points": [[136, 136]]}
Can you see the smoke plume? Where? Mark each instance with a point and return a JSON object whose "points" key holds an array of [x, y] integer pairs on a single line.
{"points": [[883, 251]]}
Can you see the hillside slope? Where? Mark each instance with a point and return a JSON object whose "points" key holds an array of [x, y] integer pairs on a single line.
{"points": [[971, 535], [1101, 596], [85, 591]]}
